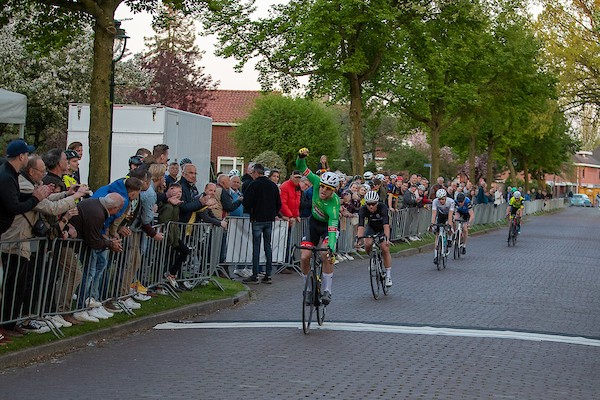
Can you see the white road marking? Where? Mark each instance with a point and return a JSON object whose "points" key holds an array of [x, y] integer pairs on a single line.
{"points": [[410, 330]]}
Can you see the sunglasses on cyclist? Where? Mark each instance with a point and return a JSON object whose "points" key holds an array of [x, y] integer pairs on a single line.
{"points": [[372, 204]]}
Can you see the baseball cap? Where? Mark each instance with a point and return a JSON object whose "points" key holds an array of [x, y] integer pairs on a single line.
{"points": [[18, 147], [71, 154]]}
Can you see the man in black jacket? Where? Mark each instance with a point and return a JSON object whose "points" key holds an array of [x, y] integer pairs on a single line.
{"points": [[11, 203], [262, 202]]}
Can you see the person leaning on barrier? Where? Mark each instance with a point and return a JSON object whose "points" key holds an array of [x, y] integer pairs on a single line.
{"points": [[236, 193], [90, 226], [57, 166], [22, 229], [11, 205], [173, 174], [191, 200], [168, 211]]}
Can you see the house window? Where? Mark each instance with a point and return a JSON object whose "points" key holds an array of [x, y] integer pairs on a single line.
{"points": [[226, 164], [583, 173]]}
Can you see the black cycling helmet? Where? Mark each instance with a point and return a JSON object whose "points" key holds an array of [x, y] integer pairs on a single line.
{"points": [[136, 160], [185, 161], [460, 197]]}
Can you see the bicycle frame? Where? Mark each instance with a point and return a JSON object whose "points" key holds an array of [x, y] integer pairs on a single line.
{"points": [[442, 244], [313, 284], [377, 272]]}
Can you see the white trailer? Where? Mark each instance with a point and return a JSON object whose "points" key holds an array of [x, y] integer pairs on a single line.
{"points": [[134, 126]]}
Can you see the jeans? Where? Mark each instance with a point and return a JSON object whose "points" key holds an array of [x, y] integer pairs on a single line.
{"points": [[264, 228], [93, 271]]}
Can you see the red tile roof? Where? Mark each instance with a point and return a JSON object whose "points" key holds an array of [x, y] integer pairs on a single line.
{"points": [[231, 105]]}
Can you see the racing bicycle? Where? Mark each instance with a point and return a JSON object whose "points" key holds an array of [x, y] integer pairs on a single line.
{"points": [[442, 245], [376, 269], [513, 229], [311, 295]]}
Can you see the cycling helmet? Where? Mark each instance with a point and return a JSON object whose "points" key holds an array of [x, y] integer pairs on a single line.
{"points": [[393, 177], [517, 195], [381, 177], [136, 160], [371, 197], [441, 193], [330, 179], [71, 154], [421, 187], [513, 190], [368, 175], [185, 161], [460, 197], [234, 172]]}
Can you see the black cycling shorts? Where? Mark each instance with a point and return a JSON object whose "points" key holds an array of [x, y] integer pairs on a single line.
{"points": [[513, 210], [441, 218], [316, 231], [464, 217]]}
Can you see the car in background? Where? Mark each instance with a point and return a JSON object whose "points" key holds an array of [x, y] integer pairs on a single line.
{"points": [[581, 200]]}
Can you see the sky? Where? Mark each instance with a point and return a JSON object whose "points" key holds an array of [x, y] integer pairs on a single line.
{"points": [[138, 26]]}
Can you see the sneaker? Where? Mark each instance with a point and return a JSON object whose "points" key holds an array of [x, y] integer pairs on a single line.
{"points": [[112, 307], [96, 313], [188, 285], [91, 302], [63, 322], [239, 272], [349, 257], [388, 281], [340, 257], [247, 272], [260, 274], [55, 321], [36, 326], [464, 250], [162, 291], [172, 279], [326, 298], [267, 279], [83, 316], [141, 297], [104, 311], [252, 279], [141, 288], [129, 303], [71, 319]]}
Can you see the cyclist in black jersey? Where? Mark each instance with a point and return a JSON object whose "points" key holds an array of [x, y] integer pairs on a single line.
{"points": [[377, 222]]}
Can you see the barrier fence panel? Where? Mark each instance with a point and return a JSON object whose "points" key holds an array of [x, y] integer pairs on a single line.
{"points": [[197, 241], [154, 259], [239, 242], [348, 230]]}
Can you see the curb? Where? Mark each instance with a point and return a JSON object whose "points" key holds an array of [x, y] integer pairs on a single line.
{"points": [[65, 345]]}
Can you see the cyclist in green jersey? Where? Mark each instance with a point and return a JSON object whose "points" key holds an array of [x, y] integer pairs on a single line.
{"points": [[323, 222]]}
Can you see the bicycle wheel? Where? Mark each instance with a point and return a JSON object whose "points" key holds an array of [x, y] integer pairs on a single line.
{"points": [[382, 276], [510, 227], [308, 307], [319, 307], [445, 251], [439, 253], [514, 234], [374, 274], [459, 240], [457, 244]]}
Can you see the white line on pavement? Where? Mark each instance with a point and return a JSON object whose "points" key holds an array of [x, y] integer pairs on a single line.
{"points": [[401, 329]]}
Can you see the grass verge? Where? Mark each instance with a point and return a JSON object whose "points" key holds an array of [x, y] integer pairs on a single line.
{"points": [[152, 306]]}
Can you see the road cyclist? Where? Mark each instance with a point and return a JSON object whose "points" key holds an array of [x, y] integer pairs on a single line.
{"points": [[464, 216], [373, 220], [322, 225], [515, 209], [442, 212]]}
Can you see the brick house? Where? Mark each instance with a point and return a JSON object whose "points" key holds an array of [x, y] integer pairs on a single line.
{"points": [[585, 177], [226, 109]]}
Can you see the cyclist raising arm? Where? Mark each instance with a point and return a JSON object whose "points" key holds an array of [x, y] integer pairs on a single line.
{"points": [[464, 211], [378, 223], [442, 212], [323, 222], [515, 207]]}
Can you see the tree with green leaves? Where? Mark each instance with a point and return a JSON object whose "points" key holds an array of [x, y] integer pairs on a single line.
{"points": [[339, 44], [55, 22], [284, 125]]}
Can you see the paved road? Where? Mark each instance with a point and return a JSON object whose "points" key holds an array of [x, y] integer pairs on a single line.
{"points": [[546, 289]]}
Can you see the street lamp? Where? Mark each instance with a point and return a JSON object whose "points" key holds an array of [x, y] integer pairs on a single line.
{"points": [[119, 46]]}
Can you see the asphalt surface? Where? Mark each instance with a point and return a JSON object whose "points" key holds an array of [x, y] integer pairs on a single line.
{"points": [[506, 323]]}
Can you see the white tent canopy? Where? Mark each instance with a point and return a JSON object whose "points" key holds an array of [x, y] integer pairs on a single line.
{"points": [[13, 108]]}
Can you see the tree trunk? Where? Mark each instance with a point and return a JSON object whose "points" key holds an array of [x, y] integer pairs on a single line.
{"points": [[356, 137], [435, 149], [511, 167], [100, 129], [525, 176], [489, 175], [472, 155]]}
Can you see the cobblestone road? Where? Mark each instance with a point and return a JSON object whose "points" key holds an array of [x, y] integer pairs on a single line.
{"points": [[549, 283]]}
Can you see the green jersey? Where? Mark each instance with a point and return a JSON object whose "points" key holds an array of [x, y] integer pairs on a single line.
{"points": [[327, 211]]}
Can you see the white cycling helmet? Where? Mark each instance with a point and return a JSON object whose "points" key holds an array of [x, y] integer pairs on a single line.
{"points": [[371, 197], [368, 175], [393, 177], [441, 193], [234, 172], [517, 195], [381, 177], [330, 179]]}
